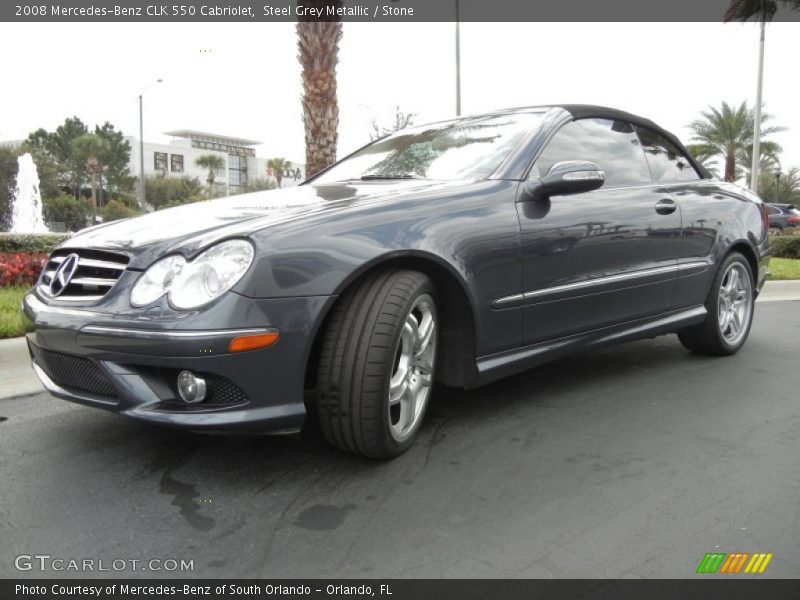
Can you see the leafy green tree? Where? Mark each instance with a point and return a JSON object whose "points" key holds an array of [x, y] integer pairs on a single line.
{"points": [[116, 168], [728, 131], [278, 166], [60, 146], [8, 181], [164, 192], [65, 208], [785, 188], [92, 150], [770, 159], [212, 162], [115, 210], [401, 121]]}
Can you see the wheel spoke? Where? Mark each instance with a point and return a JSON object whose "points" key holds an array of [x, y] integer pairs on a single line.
{"points": [[408, 406], [426, 331]]}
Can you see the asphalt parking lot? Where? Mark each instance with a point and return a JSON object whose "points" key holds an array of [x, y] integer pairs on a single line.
{"points": [[632, 461]]}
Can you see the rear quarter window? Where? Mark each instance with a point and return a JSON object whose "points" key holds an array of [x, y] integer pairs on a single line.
{"points": [[667, 162]]}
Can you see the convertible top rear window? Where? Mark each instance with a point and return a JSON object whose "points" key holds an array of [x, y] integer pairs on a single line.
{"points": [[466, 149]]}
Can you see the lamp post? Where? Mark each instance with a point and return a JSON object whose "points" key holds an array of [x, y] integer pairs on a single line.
{"points": [[777, 183], [141, 143], [458, 58], [757, 117]]}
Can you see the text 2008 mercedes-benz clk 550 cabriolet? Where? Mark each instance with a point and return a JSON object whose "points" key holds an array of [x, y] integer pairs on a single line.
{"points": [[458, 252]]}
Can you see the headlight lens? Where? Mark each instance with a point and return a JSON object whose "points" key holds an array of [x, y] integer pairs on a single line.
{"points": [[193, 284]]}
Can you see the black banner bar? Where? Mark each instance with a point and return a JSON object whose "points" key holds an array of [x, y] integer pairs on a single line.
{"points": [[398, 11], [711, 588]]}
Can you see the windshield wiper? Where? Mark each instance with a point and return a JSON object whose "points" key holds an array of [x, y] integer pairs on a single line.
{"points": [[388, 177]]}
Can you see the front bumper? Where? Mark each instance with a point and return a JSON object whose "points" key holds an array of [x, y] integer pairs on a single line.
{"points": [[128, 363]]}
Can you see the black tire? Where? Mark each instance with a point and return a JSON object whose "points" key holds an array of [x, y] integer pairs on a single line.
{"points": [[357, 359], [707, 337]]}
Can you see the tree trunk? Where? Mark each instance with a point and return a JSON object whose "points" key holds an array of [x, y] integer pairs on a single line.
{"points": [[94, 197], [318, 44], [730, 166], [278, 176]]}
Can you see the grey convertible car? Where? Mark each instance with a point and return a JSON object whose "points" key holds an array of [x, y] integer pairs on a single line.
{"points": [[457, 252]]}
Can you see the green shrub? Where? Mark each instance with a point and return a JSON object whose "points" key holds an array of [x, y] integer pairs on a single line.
{"points": [[64, 208], [785, 246], [31, 242], [115, 210], [164, 192]]}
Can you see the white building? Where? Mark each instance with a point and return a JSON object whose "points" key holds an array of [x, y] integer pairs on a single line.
{"points": [[177, 159]]}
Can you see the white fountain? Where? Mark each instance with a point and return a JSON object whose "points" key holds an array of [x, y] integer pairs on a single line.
{"points": [[26, 213]]}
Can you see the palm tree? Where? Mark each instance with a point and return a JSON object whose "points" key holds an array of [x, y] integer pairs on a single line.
{"points": [[92, 151], [705, 155], [769, 160], [762, 11], [318, 45], [278, 165], [727, 131], [212, 162]]}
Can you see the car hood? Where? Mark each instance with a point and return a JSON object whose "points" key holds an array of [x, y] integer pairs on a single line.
{"points": [[192, 227]]}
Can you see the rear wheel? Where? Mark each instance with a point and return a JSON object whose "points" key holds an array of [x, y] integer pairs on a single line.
{"points": [[730, 311], [377, 364], [775, 231]]}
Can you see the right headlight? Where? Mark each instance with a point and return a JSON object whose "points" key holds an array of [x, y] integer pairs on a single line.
{"points": [[193, 284]]}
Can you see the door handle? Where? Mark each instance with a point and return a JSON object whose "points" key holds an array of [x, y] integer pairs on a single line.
{"points": [[666, 206]]}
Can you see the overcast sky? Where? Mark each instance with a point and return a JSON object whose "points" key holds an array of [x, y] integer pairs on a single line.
{"points": [[244, 79]]}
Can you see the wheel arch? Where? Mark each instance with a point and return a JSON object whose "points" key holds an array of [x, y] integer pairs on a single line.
{"points": [[749, 253], [456, 308]]}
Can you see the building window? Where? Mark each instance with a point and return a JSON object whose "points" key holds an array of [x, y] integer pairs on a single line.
{"points": [[160, 161], [237, 171], [176, 163]]}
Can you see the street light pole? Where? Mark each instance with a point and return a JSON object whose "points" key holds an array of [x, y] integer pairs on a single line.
{"points": [[141, 155], [141, 144], [777, 183], [757, 121], [458, 59]]}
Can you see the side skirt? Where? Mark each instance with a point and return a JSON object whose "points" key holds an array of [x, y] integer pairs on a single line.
{"points": [[496, 366]]}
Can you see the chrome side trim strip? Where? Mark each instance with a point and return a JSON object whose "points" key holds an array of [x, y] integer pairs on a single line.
{"points": [[509, 301], [151, 334]]}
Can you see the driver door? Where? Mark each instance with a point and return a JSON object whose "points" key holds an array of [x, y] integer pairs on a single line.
{"points": [[597, 258]]}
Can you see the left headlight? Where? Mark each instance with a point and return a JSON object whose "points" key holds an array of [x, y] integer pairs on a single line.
{"points": [[193, 284]]}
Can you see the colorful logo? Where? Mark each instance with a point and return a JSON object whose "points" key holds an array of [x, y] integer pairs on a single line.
{"points": [[734, 563]]}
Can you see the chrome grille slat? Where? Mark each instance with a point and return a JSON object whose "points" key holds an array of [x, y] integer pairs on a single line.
{"points": [[90, 262], [96, 273], [93, 281]]}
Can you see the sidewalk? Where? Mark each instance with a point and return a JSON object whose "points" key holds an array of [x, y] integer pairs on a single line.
{"points": [[17, 378], [16, 375]]}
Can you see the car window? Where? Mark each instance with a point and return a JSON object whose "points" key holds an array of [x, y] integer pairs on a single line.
{"points": [[667, 162], [773, 211], [611, 145], [467, 149]]}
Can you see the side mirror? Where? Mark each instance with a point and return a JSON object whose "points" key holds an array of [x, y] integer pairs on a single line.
{"points": [[567, 177]]}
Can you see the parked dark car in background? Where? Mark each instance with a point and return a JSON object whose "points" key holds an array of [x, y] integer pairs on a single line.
{"points": [[457, 252], [783, 218]]}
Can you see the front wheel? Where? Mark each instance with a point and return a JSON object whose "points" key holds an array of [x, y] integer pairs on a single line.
{"points": [[730, 311], [377, 364]]}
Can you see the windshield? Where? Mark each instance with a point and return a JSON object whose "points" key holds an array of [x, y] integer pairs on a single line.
{"points": [[470, 149]]}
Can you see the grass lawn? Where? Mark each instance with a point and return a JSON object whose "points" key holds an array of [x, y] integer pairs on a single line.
{"points": [[784, 268], [12, 323]]}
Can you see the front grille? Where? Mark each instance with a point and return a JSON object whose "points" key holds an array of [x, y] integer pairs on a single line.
{"points": [[73, 373], [96, 273]]}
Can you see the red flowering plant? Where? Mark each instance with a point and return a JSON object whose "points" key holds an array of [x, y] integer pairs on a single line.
{"points": [[21, 268]]}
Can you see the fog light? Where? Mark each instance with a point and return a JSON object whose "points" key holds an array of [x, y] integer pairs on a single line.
{"points": [[192, 389]]}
